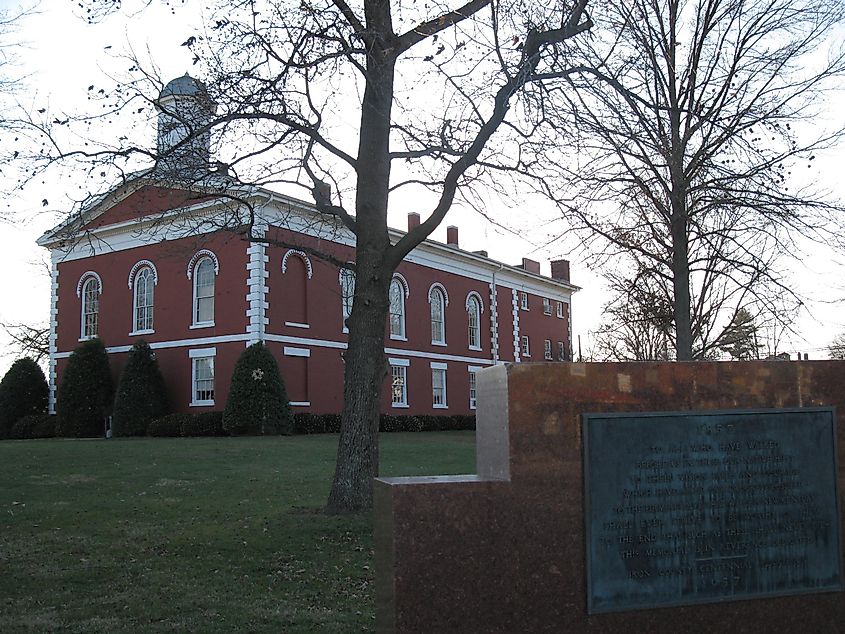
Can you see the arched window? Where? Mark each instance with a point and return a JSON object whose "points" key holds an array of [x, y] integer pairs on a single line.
{"points": [[144, 296], [90, 296], [437, 300], [347, 294], [397, 309], [204, 274], [474, 321], [297, 270]]}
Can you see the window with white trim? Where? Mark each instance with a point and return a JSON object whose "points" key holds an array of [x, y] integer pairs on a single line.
{"points": [[202, 376], [474, 322], [526, 350], [90, 308], [438, 320], [398, 386], [523, 300], [397, 310], [561, 351], [473, 392], [547, 349], [560, 310], [204, 278], [547, 306], [144, 300], [347, 295], [438, 386]]}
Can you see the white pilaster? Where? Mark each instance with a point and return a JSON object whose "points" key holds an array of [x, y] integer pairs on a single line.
{"points": [[54, 322], [515, 307], [494, 322], [256, 295]]}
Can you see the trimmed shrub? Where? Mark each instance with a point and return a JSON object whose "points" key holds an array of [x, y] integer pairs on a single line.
{"points": [[34, 426], [425, 422], [257, 402], [167, 426], [141, 396], [305, 423], [86, 392], [205, 424], [331, 423], [23, 391]]}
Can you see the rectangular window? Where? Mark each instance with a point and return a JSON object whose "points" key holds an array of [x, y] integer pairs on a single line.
{"points": [[547, 306], [547, 349], [526, 350], [560, 309], [399, 386], [561, 351], [438, 385], [473, 394], [523, 300], [202, 376]]}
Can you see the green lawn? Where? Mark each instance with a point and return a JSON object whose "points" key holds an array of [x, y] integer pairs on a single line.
{"points": [[198, 535]]}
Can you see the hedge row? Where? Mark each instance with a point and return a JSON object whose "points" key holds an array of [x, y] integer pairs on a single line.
{"points": [[172, 425], [330, 423], [34, 426], [211, 424]]}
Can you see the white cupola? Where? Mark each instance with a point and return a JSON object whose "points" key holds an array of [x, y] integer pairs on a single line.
{"points": [[184, 109]]}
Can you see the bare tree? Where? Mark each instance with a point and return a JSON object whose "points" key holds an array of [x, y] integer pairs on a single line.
{"points": [[692, 116], [28, 341], [358, 103], [637, 320]]}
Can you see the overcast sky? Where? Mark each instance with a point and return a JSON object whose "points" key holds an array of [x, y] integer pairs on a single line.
{"points": [[60, 56]]}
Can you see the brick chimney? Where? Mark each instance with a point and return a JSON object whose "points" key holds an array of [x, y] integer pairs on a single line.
{"points": [[560, 270], [413, 220], [452, 236], [532, 266]]}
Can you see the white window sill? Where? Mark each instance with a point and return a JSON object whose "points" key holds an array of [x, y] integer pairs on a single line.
{"points": [[201, 403], [89, 338], [398, 338], [344, 330], [443, 406], [525, 354], [547, 313], [296, 324], [136, 333], [300, 403], [471, 406], [399, 405], [440, 343], [202, 324], [476, 348]]}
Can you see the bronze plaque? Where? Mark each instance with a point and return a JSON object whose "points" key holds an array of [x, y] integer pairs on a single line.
{"points": [[697, 507]]}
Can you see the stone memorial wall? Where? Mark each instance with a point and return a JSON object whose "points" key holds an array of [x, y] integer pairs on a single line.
{"points": [[651, 497]]}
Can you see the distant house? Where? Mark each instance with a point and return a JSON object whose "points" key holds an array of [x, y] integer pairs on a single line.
{"points": [[148, 260]]}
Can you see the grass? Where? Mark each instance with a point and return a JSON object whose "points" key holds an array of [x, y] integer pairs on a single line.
{"points": [[200, 535]]}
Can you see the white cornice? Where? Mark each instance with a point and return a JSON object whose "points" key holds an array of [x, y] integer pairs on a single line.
{"points": [[299, 216]]}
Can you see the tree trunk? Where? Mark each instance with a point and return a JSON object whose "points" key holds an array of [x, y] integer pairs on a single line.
{"points": [[357, 451], [678, 200], [681, 283]]}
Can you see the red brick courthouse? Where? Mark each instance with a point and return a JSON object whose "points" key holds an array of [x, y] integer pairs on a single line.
{"points": [[148, 260]]}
